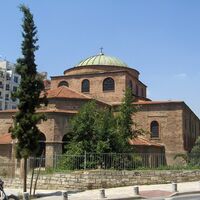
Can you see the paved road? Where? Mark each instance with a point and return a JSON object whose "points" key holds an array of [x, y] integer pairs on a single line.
{"points": [[154, 192], [185, 197]]}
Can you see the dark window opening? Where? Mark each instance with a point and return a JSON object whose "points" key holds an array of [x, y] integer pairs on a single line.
{"points": [[85, 87], [154, 129], [63, 83], [130, 84], [108, 84]]}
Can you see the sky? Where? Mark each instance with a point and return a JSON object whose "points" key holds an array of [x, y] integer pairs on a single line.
{"points": [[159, 38]]}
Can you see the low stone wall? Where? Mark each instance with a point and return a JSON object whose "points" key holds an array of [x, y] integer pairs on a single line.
{"points": [[83, 180]]}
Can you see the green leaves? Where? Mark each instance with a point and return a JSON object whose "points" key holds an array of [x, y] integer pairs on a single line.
{"points": [[25, 128]]}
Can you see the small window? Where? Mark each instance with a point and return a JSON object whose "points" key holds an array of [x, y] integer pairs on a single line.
{"points": [[7, 87], [1, 84], [142, 92], [108, 84], [16, 79], [137, 90], [63, 83], [85, 87], [154, 129], [14, 88], [130, 84], [6, 106], [8, 77], [14, 107], [7, 97]]}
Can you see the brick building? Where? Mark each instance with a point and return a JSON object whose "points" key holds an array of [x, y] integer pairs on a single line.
{"points": [[172, 125]]}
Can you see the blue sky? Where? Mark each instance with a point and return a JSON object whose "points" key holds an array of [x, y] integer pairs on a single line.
{"points": [[159, 38]]}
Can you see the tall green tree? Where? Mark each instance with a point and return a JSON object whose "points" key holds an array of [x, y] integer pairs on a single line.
{"points": [[25, 128], [125, 121]]}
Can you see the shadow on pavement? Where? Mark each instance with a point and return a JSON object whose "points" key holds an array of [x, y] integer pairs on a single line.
{"points": [[58, 193]]}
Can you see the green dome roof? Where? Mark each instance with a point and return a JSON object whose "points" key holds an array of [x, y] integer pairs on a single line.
{"points": [[102, 59]]}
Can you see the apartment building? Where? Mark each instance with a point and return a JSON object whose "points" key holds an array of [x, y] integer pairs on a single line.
{"points": [[9, 82]]}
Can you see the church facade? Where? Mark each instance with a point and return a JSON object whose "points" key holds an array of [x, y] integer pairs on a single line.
{"points": [[172, 126]]}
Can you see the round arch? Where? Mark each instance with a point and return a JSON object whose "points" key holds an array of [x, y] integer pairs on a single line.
{"points": [[42, 145], [63, 83], [108, 84], [154, 128], [85, 86]]}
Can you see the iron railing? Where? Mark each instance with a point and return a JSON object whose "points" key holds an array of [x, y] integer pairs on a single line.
{"points": [[120, 161]]}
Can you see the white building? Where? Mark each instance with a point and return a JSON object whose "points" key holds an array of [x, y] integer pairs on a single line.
{"points": [[9, 82]]}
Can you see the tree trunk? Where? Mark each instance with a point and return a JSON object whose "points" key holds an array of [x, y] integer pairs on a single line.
{"points": [[25, 174]]}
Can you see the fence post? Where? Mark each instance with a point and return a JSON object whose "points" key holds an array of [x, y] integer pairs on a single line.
{"points": [[85, 160]]}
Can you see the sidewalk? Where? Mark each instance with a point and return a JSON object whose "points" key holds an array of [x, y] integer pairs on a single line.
{"points": [[147, 191]]}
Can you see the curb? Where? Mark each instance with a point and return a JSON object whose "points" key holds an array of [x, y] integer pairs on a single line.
{"points": [[176, 194], [127, 198], [184, 193]]}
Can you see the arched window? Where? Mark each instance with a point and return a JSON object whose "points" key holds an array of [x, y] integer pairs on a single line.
{"points": [[137, 90], [154, 129], [108, 84], [130, 84], [142, 92], [42, 145], [85, 87], [63, 83]]}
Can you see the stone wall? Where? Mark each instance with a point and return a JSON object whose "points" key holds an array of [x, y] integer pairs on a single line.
{"points": [[82, 180]]}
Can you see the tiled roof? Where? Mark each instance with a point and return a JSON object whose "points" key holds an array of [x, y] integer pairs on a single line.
{"points": [[148, 102], [156, 102], [5, 139], [57, 111], [140, 141], [65, 92], [43, 111]]}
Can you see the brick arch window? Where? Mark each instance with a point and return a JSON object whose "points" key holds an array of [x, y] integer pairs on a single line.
{"points": [[154, 129], [63, 83], [85, 86], [108, 84], [137, 90], [130, 84]]}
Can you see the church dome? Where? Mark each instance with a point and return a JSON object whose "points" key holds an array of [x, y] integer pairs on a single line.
{"points": [[102, 59]]}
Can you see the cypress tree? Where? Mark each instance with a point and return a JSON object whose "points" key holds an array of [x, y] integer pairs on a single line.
{"points": [[25, 128]]}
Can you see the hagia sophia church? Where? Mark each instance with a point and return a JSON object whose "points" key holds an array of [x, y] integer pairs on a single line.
{"points": [[172, 125]]}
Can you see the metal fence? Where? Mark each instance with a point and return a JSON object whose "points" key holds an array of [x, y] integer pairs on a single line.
{"points": [[119, 161]]}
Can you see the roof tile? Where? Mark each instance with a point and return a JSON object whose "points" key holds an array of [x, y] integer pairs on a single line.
{"points": [[5, 139], [65, 92]]}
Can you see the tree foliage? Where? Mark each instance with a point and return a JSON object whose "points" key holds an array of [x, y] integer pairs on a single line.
{"points": [[25, 128], [126, 126], [99, 130], [93, 130], [194, 155]]}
